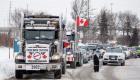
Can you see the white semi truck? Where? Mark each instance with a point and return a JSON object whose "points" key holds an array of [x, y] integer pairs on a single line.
{"points": [[41, 46]]}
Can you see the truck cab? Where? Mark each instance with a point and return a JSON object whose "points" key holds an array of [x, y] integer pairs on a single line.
{"points": [[41, 46]]}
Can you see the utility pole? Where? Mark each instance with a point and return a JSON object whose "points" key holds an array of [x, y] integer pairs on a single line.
{"points": [[27, 5], [9, 25], [10, 5], [88, 36]]}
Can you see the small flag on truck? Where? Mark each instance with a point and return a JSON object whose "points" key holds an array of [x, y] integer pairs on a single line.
{"points": [[66, 44]]}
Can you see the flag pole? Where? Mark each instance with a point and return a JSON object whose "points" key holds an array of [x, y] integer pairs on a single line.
{"points": [[10, 5], [88, 20], [75, 35]]}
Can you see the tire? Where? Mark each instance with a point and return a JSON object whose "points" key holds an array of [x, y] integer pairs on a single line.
{"points": [[123, 64], [58, 74], [73, 65], [18, 74], [85, 61], [81, 63], [104, 63], [64, 69]]}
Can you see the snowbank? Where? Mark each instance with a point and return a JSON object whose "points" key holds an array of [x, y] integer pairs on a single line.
{"points": [[7, 64]]}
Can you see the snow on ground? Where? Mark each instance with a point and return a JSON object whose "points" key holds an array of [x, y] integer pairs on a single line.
{"points": [[129, 72], [7, 64]]}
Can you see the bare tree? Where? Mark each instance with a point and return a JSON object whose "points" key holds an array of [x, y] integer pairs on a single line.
{"points": [[17, 15], [79, 8], [112, 24], [128, 21]]}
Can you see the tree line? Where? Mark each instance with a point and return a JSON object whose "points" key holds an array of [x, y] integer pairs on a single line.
{"points": [[122, 27], [106, 26]]}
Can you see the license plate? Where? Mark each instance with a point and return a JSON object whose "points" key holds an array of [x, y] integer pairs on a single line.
{"points": [[33, 67]]}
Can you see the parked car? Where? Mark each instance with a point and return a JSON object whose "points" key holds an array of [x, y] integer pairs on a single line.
{"points": [[85, 56], [138, 51], [132, 52], [102, 49], [114, 55], [91, 47], [126, 51]]}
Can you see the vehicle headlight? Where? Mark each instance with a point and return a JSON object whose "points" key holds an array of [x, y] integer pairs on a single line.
{"points": [[106, 56], [120, 57], [19, 57], [55, 57], [68, 52]]}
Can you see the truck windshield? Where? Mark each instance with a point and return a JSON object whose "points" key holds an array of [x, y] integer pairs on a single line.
{"points": [[39, 35]]}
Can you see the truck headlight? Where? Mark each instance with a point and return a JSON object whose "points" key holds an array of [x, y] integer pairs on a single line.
{"points": [[69, 53], [19, 57], [55, 57]]}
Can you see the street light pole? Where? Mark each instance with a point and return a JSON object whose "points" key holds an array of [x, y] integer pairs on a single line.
{"points": [[88, 21], [9, 25]]}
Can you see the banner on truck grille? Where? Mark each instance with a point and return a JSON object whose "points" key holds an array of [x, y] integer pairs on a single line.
{"points": [[37, 53]]}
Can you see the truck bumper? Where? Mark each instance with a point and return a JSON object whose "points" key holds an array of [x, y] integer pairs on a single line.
{"points": [[69, 62], [38, 67]]}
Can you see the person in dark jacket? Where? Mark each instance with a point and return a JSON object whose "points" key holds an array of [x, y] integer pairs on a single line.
{"points": [[96, 63]]}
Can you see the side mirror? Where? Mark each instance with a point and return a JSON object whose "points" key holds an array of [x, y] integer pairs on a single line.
{"points": [[56, 34]]}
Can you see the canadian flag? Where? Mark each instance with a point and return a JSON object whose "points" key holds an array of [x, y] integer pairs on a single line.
{"points": [[66, 44], [81, 22]]}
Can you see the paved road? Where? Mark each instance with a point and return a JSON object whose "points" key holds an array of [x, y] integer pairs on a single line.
{"points": [[110, 72], [130, 71]]}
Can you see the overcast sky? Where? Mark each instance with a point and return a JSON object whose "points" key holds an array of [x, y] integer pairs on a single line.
{"points": [[59, 7]]}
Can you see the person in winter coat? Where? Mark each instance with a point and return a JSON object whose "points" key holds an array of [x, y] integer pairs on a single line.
{"points": [[96, 63]]}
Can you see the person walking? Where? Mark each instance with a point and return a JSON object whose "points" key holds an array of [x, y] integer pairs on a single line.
{"points": [[96, 63]]}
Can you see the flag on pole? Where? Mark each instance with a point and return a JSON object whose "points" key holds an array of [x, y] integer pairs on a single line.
{"points": [[81, 22]]}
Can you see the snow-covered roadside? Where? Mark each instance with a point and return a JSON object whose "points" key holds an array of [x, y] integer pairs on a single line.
{"points": [[7, 65]]}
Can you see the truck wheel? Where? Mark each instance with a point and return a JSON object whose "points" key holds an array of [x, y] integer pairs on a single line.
{"points": [[18, 74], [81, 63], [104, 63], [123, 64], [85, 61], [64, 69], [58, 74], [73, 65]]}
